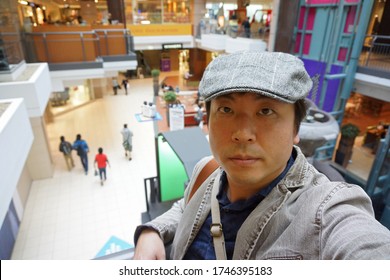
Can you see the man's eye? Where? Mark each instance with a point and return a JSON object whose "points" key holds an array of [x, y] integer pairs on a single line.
{"points": [[266, 111], [225, 109]]}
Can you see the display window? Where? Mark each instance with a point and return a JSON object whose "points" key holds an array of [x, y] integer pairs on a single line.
{"points": [[157, 11]]}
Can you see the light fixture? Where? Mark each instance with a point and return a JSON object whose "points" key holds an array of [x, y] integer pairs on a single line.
{"points": [[23, 2]]}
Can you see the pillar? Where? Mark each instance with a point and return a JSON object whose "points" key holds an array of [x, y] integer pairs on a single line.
{"points": [[117, 10]]}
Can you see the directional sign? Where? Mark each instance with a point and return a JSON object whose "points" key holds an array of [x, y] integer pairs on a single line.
{"points": [[113, 245]]}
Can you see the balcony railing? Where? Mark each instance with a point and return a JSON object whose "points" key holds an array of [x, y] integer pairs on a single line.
{"points": [[376, 53], [11, 52], [77, 46]]}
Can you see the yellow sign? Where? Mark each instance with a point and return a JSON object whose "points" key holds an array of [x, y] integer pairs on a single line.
{"points": [[160, 29]]}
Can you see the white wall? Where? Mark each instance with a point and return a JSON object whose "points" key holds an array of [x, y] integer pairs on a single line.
{"points": [[155, 42], [372, 86], [33, 85], [16, 138]]}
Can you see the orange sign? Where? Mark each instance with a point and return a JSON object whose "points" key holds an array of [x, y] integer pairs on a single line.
{"points": [[160, 29]]}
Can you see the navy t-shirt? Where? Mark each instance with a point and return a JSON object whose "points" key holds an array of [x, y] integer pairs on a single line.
{"points": [[233, 216]]}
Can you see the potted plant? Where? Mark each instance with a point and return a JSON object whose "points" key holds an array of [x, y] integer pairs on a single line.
{"points": [[348, 132], [170, 97], [155, 75]]}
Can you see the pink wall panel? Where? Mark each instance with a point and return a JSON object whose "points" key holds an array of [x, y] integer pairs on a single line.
{"points": [[330, 1], [306, 44], [301, 17], [342, 54], [310, 19], [350, 20]]}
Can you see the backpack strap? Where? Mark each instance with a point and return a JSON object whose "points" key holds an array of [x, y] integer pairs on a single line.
{"points": [[206, 171]]}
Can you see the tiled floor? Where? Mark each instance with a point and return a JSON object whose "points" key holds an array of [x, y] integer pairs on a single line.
{"points": [[70, 216]]}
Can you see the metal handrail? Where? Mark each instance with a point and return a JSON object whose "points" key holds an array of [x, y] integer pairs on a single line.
{"points": [[376, 52], [125, 34]]}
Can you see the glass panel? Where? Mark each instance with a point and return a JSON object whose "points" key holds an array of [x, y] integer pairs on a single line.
{"points": [[176, 11], [147, 12], [11, 52], [157, 11]]}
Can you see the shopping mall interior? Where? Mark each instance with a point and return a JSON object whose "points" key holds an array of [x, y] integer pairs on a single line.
{"points": [[69, 215]]}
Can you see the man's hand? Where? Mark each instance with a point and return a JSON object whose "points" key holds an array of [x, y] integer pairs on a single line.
{"points": [[149, 246]]}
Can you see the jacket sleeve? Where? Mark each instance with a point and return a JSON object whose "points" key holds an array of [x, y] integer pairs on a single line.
{"points": [[348, 229], [167, 223]]}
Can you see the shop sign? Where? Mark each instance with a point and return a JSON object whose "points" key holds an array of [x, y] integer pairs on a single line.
{"points": [[172, 46], [176, 118]]}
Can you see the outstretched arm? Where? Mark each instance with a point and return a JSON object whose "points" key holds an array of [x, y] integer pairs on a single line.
{"points": [[149, 246]]}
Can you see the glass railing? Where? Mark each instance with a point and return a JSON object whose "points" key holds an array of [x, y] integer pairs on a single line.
{"points": [[11, 52], [233, 30]]}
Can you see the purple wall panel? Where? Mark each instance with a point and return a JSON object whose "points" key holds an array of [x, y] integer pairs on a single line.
{"points": [[317, 68]]}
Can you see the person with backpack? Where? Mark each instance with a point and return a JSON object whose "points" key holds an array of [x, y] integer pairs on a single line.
{"points": [[66, 149], [82, 149], [262, 199]]}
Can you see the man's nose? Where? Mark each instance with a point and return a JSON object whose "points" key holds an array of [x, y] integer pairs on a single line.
{"points": [[244, 130]]}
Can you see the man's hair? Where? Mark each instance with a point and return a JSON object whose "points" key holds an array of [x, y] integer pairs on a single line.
{"points": [[300, 108], [62, 138], [78, 136], [100, 150], [125, 125]]}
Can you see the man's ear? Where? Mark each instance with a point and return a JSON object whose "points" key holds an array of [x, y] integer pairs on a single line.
{"points": [[296, 139]]}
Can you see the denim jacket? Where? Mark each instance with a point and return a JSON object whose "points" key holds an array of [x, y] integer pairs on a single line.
{"points": [[305, 217]]}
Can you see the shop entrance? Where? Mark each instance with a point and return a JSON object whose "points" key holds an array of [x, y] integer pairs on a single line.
{"points": [[74, 95]]}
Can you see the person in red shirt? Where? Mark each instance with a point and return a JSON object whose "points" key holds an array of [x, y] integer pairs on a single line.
{"points": [[101, 162]]}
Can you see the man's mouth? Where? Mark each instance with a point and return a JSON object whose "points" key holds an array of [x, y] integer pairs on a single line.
{"points": [[243, 159]]}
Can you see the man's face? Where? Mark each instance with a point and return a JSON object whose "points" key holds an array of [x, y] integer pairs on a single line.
{"points": [[251, 137]]}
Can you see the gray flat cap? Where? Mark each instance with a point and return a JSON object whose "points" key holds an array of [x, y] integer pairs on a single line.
{"points": [[277, 75]]}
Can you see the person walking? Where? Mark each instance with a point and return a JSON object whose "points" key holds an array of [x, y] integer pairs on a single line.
{"points": [[115, 86], [125, 84], [199, 115], [66, 148], [82, 149], [127, 143], [101, 162], [247, 27]]}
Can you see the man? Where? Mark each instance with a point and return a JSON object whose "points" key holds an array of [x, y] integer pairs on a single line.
{"points": [[273, 204], [115, 85], [82, 151], [125, 83], [66, 148], [199, 115], [101, 162], [247, 27], [127, 143]]}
